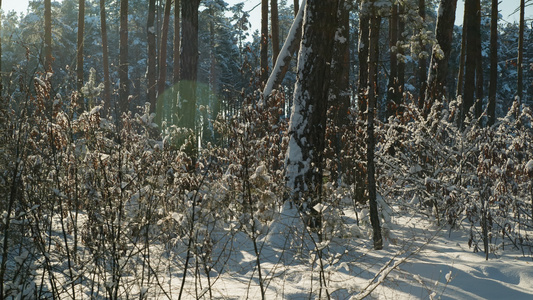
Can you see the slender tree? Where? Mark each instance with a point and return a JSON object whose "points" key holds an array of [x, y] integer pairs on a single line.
{"points": [[152, 56], [79, 65], [462, 58], [364, 30], [392, 90], [47, 35], [274, 17], [177, 41], [520, 84], [373, 52], [491, 107], [422, 65], [304, 162], [105, 57], [123, 58], [264, 42], [478, 106], [163, 49], [438, 67]]}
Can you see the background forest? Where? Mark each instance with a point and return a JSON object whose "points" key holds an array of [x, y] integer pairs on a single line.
{"points": [[160, 149]]}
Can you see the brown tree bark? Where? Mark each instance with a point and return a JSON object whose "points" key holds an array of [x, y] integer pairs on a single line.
{"points": [[438, 67], [47, 35], [123, 59], [296, 7], [105, 58], [491, 107], [472, 30], [177, 41], [161, 83], [478, 105], [422, 65], [79, 55], [520, 84], [274, 20], [375, 23], [364, 31], [263, 76], [392, 91], [189, 70], [152, 56]]}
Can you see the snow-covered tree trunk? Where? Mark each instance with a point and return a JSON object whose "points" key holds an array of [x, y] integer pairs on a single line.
{"points": [[304, 159]]}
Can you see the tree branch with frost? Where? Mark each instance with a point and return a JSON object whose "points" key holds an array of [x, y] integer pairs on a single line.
{"points": [[289, 47]]}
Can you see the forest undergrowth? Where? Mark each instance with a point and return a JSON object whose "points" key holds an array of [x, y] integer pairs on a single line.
{"points": [[99, 206]]}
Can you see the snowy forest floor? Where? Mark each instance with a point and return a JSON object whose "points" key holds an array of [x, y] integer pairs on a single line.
{"points": [[425, 262]]}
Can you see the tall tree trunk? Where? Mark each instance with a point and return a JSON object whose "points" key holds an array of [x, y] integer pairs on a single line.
{"points": [[304, 163], [364, 30], [47, 35], [520, 85], [105, 58], [79, 56], [152, 56], [264, 42], [493, 85], [438, 67], [478, 109], [422, 65], [401, 51], [1, 20], [375, 22], [472, 30], [392, 91], [123, 59], [296, 7], [462, 58], [177, 41], [189, 70], [274, 17], [161, 83]]}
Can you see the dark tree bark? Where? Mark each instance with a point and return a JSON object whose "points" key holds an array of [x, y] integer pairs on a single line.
{"points": [[472, 30], [123, 59], [177, 41], [392, 91], [264, 42], [161, 83], [375, 22], [189, 69], [1, 47], [422, 65], [304, 162], [462, 58], [401, 63], [520, 84], [364, 30], [438, 67], [47, 35], [105, 58], [296, 7], [79, 56], [274, 17], [340, 79], [478, 106], [152, 56], [491, 107]]}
